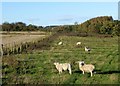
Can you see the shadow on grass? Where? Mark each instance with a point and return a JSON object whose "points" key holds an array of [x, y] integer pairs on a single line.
{"points": [[100, 72], [77, 71], [106, 72]]}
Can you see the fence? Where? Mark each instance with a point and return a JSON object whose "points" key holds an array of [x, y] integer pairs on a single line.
{"points": [[15, 48]]}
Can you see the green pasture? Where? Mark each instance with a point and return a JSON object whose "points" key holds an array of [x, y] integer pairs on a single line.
{"points": [[37, 67]]}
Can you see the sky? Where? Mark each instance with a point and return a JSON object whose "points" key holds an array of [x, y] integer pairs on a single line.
{"points": [[56, 13]]}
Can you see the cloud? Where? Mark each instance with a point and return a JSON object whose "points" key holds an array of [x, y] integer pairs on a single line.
{"points": [[65, 19], [33, 19]]}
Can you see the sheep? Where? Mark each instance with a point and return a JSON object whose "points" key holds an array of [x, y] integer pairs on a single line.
{"points": [[87, 49], [60, 43], [78, 43], [86, 67], [63, 66]]}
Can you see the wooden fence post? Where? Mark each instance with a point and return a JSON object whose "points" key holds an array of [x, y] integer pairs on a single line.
{"points": [[21, 46], [26, 45], [12, 49], [15, 51], [4, 50], [1, 50], [18, 49]]}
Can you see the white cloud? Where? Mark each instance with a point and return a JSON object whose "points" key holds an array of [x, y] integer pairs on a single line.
{"points": [[33, 19]]}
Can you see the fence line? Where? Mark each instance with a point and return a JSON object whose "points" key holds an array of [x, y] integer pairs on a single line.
{"points": [[15, 48]]}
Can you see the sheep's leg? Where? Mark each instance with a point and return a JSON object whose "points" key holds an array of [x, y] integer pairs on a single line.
{"points": [[59, 72], [69, 68], [83, 72], [91, 73], [70, 72]]}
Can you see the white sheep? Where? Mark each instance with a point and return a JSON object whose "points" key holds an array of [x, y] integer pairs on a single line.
{"points": [[86, 67], [87, 49], [60, 43], [63, 66], [78, 43]]}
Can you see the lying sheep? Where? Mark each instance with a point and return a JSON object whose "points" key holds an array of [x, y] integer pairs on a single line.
{"points": [[63, 66], [78, 43], [86, 67], [60, 43]]}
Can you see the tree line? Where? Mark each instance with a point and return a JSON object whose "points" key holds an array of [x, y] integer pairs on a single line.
{"points": [[98, 25], [101, 25], [20, 26]]}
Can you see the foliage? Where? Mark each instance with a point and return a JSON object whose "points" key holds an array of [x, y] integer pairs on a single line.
{"points": [[101, 25], [98, 25], [19, 26]]}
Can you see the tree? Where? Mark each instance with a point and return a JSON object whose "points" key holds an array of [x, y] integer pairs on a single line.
{"points": [[76, 26], [20, 26], [6, 26]]}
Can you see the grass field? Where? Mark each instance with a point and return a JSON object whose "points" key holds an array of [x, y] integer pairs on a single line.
{"points": [[37, 67], [21, 37]]}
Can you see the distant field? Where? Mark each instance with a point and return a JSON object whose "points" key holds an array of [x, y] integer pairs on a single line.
{"points": [[8, 39], [37, 67], [22, 32]]}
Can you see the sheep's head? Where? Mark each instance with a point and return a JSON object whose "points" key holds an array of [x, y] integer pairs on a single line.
{"points": [[81, 63], [56, 63]]}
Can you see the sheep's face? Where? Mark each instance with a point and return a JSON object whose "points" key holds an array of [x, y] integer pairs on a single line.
{"points": [[81, 63], [56, 63]]}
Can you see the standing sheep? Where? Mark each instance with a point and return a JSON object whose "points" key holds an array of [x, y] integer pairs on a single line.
{"points": [[86, 67], [63, 66]]}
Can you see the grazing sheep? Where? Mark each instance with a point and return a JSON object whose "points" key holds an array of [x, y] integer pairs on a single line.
{"points": [[87, 49], [63, 66], [86, 67], [78, 43], [60, 43]]}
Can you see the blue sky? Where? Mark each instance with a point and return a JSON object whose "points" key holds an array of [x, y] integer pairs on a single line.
{"points": [[56, 13]]}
